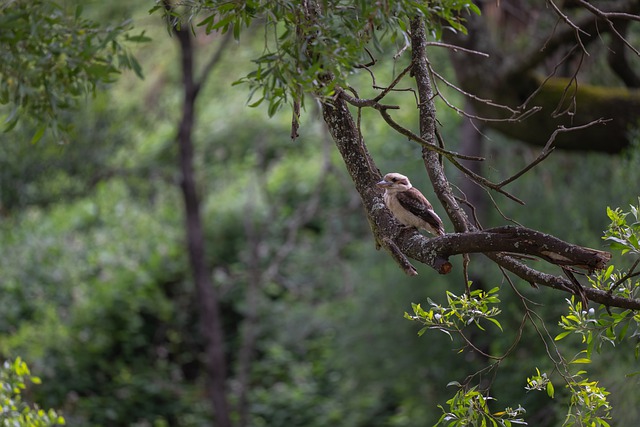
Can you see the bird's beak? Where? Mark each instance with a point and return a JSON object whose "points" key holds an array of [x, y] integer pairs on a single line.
{"points": [[383, 183]]}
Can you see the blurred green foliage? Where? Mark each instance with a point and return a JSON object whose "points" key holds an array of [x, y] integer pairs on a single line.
{"points": [[16, 412], [96, 294], [50, 56]]}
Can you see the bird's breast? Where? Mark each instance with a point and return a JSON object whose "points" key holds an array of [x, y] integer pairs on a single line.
{"points": [[401, 214]]}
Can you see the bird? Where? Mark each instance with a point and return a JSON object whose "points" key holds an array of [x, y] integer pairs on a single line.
{"points": [[409, 205]]}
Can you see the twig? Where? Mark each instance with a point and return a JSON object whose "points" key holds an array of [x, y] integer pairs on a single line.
{"points": [[484, 181], [548, 149], [399, 257], [607, 16], [404, 48], [356, 102], [577, 30], [456, 48], [625, 277], [393, 84]]}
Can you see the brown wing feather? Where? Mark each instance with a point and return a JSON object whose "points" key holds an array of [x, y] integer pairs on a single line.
{"points": [[418, 205]]}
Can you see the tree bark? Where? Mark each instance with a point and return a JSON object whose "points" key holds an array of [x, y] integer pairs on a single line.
{"points": [[206, 294]]}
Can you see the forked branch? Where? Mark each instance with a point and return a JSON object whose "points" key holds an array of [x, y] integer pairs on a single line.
{"points": [[501, 244]]}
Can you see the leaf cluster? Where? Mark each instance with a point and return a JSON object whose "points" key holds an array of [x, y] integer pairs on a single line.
{"points": [[622, 234], [49, 58], [587, 401], [471, 408], [604, 325], [15, 411], [310, 47], [459, 312]]}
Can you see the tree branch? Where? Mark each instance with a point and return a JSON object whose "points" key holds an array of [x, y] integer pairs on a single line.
{"points": [[496, 243], [434, 252]]}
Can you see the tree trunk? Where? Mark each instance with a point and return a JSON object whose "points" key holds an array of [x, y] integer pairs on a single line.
{"points": [[206, 294]]}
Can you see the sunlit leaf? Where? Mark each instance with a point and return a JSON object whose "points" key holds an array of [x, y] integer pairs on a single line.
{"points": [[581, 360]]}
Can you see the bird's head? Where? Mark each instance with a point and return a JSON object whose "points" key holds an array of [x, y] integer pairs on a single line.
{"points": [[394, 182]]}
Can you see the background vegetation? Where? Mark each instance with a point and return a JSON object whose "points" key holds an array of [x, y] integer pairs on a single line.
{"points": [[97, 295]]}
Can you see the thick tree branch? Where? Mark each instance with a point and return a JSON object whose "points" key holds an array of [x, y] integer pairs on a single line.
{"points": [[495, 243], [498, 243], [428, 131], [519, 240]]}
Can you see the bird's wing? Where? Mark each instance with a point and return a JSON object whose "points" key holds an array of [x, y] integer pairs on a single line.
{"points": [[413, 201]]}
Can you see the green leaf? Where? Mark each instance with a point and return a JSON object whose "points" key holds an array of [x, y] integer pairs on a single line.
{"points": [[258, 102], [495, 322], [39, 133], [140, 38], [561, 335], [208, 21], [581, 360], [135, 65], [607, 273], [550, 390], [473, 8]]}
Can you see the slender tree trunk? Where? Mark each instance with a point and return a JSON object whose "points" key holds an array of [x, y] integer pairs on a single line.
{"points": [[206, 294]]}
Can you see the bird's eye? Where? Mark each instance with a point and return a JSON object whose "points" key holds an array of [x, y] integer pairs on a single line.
{"points": [[394, 179]]}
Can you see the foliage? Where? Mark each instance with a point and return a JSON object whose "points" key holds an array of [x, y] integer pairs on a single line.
{"points": [[15, 411], [459, 312], [47, 173], [587, 400], [622, 235], [49, 58], [470, 408], [306, 55], [605, 325]]}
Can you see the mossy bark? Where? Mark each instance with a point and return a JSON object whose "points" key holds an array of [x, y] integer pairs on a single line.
{"points": [[510, 79]]}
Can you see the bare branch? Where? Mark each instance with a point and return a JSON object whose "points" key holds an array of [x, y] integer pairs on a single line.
{"points": [[607, 17], [618, 61], [404, 47], [576, 29], [556, 282], [412, 136], [399, 257], [548, 149], [214, 60], [516, 114], [383, 111], [484, 181], [629, 274], [393, 84], [456, 48]]}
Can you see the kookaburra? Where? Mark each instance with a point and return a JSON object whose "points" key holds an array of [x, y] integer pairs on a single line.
{"points": [[408, 204]]}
